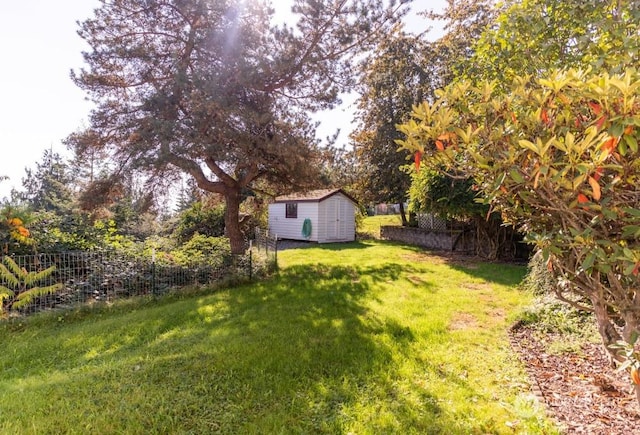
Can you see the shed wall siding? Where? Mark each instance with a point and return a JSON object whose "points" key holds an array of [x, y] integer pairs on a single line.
{"points": [[345, 230], [289, 228], [322, 218]]}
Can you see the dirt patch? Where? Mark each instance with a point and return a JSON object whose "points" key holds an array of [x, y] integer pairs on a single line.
{"points": [[424, 257], [463, 321], [444, 257], [581, 390], [477, 286], [416, 280]]}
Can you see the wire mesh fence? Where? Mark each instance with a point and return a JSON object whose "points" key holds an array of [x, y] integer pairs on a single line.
{"points": [[33, 283], [266, 242]]}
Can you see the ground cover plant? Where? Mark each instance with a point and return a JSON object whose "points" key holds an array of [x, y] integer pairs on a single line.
{"points": [[365, 337]]}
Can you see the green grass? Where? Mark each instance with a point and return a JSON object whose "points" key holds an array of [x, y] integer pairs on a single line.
{"points": [[363, 338], [371, 224]]}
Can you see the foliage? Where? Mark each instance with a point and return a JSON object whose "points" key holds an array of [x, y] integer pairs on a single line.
{"points": [[213, 90], [188, 194], [113, 239], [339, 168], [18, 287], [627, 349], [14, 235], [203, 218], [537, 36], [449, 197], [464, 23], [539, 279], [559, 158], [52, 232], [408, 69], [392, 83], [49, 204], [555, 151], [134, 210], [202, 249], [49, 187], [454, 197]]}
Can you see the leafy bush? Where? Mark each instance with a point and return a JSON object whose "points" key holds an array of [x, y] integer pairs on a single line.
{"points": [[14, 236], [202, 219], [548, 314], [21, 286], [539, 279], [558, 157], [433, 191], [61, 233], [201, 249]]}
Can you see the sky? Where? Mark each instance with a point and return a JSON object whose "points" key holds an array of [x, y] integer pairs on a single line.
{"points": [[40, 105]]}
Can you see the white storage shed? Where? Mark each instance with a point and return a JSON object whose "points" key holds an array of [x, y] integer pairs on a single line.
{"points": [[323, 216]]}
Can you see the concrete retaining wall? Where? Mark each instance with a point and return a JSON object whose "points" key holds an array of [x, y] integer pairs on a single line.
{"points": [[454, 240]]}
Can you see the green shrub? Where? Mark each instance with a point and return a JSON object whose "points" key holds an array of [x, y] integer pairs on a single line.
{"points": [[22, 286], [201, 250], [549, 314], [202, 219], [570, 327], [539, 280]]}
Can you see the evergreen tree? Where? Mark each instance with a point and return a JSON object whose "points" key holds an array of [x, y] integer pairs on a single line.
{"points": [[406, 70], [187, 196], [392, 83], [49, 186], [212, 89]]}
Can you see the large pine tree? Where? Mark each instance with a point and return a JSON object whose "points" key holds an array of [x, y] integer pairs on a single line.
{"points": [[213, 89]]}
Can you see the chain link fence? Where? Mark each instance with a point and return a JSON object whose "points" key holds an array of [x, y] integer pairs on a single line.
{"points": [[69, 279]]}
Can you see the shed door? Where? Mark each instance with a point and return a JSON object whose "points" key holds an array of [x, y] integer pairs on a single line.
{"points": [[335, 212]]}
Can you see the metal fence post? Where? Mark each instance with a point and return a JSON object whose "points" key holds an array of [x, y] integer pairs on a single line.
{"points": [[153, 271], [275, 249], [250, 260]]}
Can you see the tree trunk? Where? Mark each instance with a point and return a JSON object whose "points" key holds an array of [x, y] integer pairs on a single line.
{"points": [[486, 239], [232, 221], [607, 331], [403, 214], [631, 327], [610, 336]]}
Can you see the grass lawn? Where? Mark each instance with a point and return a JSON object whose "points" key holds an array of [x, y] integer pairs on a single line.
{"points": [[363, 338], [371, 224]]}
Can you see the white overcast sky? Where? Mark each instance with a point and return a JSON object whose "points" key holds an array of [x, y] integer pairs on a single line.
{"points": [[40, 105]]}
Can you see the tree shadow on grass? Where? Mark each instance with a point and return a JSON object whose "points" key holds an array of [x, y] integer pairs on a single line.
{"points": [[502, 273], [325, 352], [499, 273], [300, 353]]}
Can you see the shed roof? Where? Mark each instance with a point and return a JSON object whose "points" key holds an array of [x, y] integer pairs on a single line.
{"points": [[313, 196]]}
